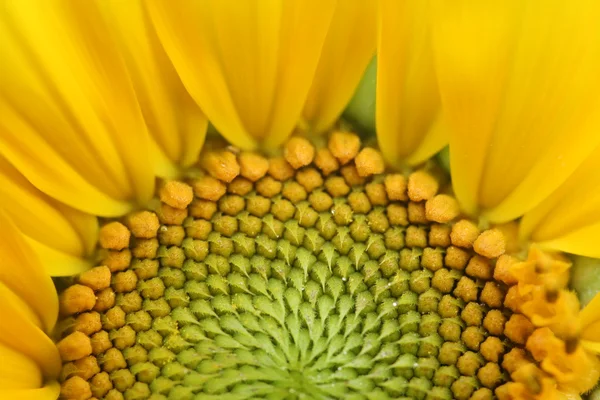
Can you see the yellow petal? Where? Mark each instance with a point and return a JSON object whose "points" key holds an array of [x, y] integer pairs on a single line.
{"points": [[592, 347], [22, 331], [49, 392], [248, 64], [408, 104], [87, 226], [71, 120], [521, 94], [18, 371], [569, 219], [163, 166], [43, 219], [592, 331], [21, 271], [175, 122], [58, 263], [583, 241], [349, 46]]}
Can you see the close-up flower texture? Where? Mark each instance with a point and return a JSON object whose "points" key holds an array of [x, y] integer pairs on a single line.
{"points": [[299, 199]]}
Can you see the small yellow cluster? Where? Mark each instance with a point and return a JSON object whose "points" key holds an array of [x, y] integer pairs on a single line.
{"points": [[556, 363]]}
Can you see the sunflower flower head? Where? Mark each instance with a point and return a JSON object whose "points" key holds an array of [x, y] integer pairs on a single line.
{"points": [[294, 258], [316, 274]]}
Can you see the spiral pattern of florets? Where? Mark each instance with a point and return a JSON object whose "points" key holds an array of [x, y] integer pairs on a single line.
{"points": [[310, 276]]}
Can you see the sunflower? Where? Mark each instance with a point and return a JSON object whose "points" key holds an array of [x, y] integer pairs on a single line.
{"points": [[284, 256]]}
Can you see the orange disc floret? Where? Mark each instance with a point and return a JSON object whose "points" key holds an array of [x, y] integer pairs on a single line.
{"points": [[344, 146], [75, 346], [464, 233], [240, 185], [309, 178], [480, 267], [172, 216], [80, 368], [503, 269], [76, 299], [422, 186], [351, 175], [369, 162], [280, 169], [514, 300], [326, 161], [492, 349], [518, 328], [208, 188], [490, 243], [442, 208], [114, 236], [515, 359], [97, 278], [143, 224], [416, 213], [376, 193], [268, 187], [176, 194], [88, 323], [75, 388], [252, 166], [100, 384], [221, 164], [395, 186], [299, 152]]}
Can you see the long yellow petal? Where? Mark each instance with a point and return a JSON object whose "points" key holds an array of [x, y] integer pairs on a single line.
{"points": [[175, 122], [56, 177], [569, 219], [18, 371], [49, 392], [248, 64], [583, 241], [58, 263], [521, 94], [408, 103], [22, 331], [71, 121], [21, 271], [43, 219], [349, 47]]}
